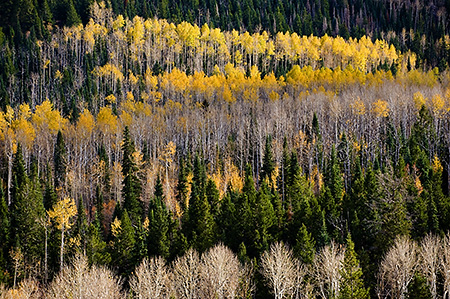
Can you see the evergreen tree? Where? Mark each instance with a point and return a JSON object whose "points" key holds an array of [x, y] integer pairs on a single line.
{"points": [[60, 161], [96, 249], [27, 210], [124, 242], [182, 185], [132, 187], [418, 288], [352, 284], [159, 224], [304, 247], [199, 223], [268, 167], [264, 218]]}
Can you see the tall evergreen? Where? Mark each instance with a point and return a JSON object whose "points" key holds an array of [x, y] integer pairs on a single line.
{"points": [[60, 161], [199, 225], [124, 243], [352, 284], [159, 219], [132, 187], [27, 211], [268, 167]]}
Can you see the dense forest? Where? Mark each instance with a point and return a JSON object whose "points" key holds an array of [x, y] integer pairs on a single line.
{"points": [[231, 150]]}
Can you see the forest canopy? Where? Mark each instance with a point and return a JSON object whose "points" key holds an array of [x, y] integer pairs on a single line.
{"points": [[135, 148]]}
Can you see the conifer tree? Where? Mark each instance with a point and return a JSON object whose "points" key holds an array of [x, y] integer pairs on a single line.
{"points": [[124, 242], [351, 284], [159, 224], [304, 247], [264, 218], [132, 187], [199, 224], [182, 185], [268, 167], [60, 161], [96, 249], [27, 209]]}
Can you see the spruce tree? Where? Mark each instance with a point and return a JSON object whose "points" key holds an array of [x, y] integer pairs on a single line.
{"points": [[199, 223], [352, 284], [159, 224], [304, 247], [132, 187], [268, 167], [124, 243], [60, 161], [96, 249], [27, 210]]}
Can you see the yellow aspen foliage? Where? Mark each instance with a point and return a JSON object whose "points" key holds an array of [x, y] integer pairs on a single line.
{"points": [[132, 78], [111, 99], [116, 227], [438, 105], [24, 132], [62, 213], [109, 70], [106, 121], [419, 100], [436, 165], [136, 33], [418, 185], [118, 23], [232, 175], [227, 95], [274, 96], [45, 117], [380, 108], [130, 96], [168, 153], [358, 107]]}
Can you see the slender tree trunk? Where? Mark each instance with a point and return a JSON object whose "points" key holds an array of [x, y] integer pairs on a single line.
{"points": [[61, 261]]}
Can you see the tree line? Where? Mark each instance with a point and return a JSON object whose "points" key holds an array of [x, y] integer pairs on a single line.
{"points": [[419, 26]]}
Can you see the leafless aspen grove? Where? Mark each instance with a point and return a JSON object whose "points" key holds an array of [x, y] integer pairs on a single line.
{"points": [[218, 274]]}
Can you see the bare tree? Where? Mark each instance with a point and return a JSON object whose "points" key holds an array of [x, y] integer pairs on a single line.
{"points": [[429, 261], [186, 275], [397, 269], [220, 273], [445, 265], [279, 268], [326, 272], [152, 279], [81, 281]]}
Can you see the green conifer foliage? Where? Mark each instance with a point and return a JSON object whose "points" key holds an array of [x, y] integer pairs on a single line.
{"points": [[60, 161], [159, 219], [352, 284], [132, 187]]}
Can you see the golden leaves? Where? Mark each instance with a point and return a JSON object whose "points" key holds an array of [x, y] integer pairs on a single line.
{"points": [[62, 212], [380, 108]]}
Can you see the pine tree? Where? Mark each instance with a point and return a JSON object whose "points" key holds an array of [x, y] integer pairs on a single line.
{"points": [[268, 167], [159, 224], [304, 247], [60, 161], [27, 210], [264, 218], [182, 185], [199, 223], [352, 284], [132, 187], [96, 249], [123, 250]]}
